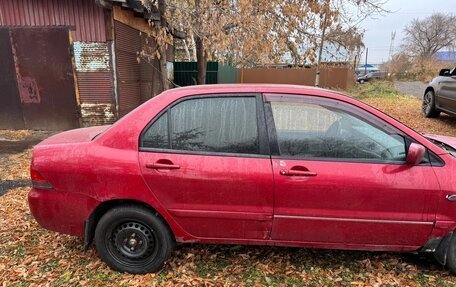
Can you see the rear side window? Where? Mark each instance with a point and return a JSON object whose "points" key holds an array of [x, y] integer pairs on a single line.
{"points": [[156, 135], [215, 124]]}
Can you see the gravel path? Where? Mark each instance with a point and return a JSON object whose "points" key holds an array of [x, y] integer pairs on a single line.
{"points": [[411, 88]]}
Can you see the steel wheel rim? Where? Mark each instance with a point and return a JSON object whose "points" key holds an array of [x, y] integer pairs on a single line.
{"points": [[131, 243]]}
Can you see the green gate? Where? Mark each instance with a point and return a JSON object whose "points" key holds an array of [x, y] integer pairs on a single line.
{"points": [[185, 73]]}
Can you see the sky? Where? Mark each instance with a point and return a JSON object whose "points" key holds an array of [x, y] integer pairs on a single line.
{"points": [[378, 30]]}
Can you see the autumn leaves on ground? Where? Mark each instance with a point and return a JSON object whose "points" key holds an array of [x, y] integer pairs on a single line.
{"points": [[32, 256]]}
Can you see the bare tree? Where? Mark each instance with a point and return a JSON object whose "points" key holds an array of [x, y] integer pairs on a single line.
{"points": [[253, 32], [343, 30], [424, 38]]}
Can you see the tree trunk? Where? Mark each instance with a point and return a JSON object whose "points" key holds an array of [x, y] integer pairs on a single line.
{"points": [[192, 38], [201, 56], [162, 46], [201, 60], [320, 53], [187, 51], [163, 69]]}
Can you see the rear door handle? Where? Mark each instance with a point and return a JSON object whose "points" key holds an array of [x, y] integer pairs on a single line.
{"points": [[162, 166], [297, 173]]}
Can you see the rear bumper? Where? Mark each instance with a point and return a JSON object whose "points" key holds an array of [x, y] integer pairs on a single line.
{"points": [[61, 211]]}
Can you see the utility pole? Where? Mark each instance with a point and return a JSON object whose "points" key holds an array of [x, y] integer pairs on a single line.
{"points": [[391, 51], [365, 64]]}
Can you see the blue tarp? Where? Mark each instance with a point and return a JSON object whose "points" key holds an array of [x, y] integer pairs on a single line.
{"points": [[366, 66], [447, 56]]}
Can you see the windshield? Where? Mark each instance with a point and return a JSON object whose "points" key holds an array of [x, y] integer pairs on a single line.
{"points": [[444, 146]]}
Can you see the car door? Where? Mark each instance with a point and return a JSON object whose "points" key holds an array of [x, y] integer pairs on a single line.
{"points": [[341, 178], [452, 90], [207, 161], [446, 97]]}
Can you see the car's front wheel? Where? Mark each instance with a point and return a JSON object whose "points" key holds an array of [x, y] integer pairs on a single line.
{"points": [[428, 109], [133, 239]]}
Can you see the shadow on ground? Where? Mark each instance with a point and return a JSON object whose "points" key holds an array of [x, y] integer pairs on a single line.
{"points": [[13, 146], [7, 185]]}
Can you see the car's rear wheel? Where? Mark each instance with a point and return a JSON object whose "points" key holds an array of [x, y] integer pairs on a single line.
{"points": [[429, 110], [451, 255], [133, 239]]}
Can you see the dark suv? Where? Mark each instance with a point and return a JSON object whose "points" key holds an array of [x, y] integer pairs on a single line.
{"points": [[440, 95]]}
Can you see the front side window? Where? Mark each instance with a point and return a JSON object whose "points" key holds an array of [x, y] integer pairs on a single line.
{"points": [[324, 131], [213, 124]]}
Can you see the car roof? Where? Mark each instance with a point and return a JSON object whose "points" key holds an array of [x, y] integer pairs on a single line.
{"points": [[251, 87]]}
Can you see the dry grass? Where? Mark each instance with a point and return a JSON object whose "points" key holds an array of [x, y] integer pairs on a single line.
{"points": [[406, 109], [32, 256]]}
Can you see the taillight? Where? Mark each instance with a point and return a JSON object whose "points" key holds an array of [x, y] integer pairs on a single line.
{"points": [[38, 181]]}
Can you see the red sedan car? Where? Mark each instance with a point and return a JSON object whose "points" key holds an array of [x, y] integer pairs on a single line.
{"points": [[248, 164]]}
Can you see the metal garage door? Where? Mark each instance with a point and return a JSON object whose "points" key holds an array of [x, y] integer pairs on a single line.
{"points": [[40, 78], [10, 103]]}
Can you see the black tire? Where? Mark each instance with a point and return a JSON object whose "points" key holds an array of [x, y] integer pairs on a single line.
{"points": [[133, 239], [451, 255], [428, 108]]}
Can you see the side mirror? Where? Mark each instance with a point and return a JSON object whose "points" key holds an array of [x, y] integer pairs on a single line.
{"points": [[444, 72], [415, 154]]}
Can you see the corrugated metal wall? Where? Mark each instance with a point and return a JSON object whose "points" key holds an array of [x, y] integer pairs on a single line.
{"points": [[149, 69], [95, 82], [127, 45], [86, 22], [85, 16], [95, 87], [136, 75], [137, 81]]}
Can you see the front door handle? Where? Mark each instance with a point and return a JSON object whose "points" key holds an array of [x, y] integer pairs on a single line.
{"points": [[158, 165]]}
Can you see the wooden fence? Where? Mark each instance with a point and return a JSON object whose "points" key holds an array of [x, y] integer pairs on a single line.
{"points": [[330, 77]]}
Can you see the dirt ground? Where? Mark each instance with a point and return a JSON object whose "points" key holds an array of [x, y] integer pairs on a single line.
{"points": [[33, 256]]}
